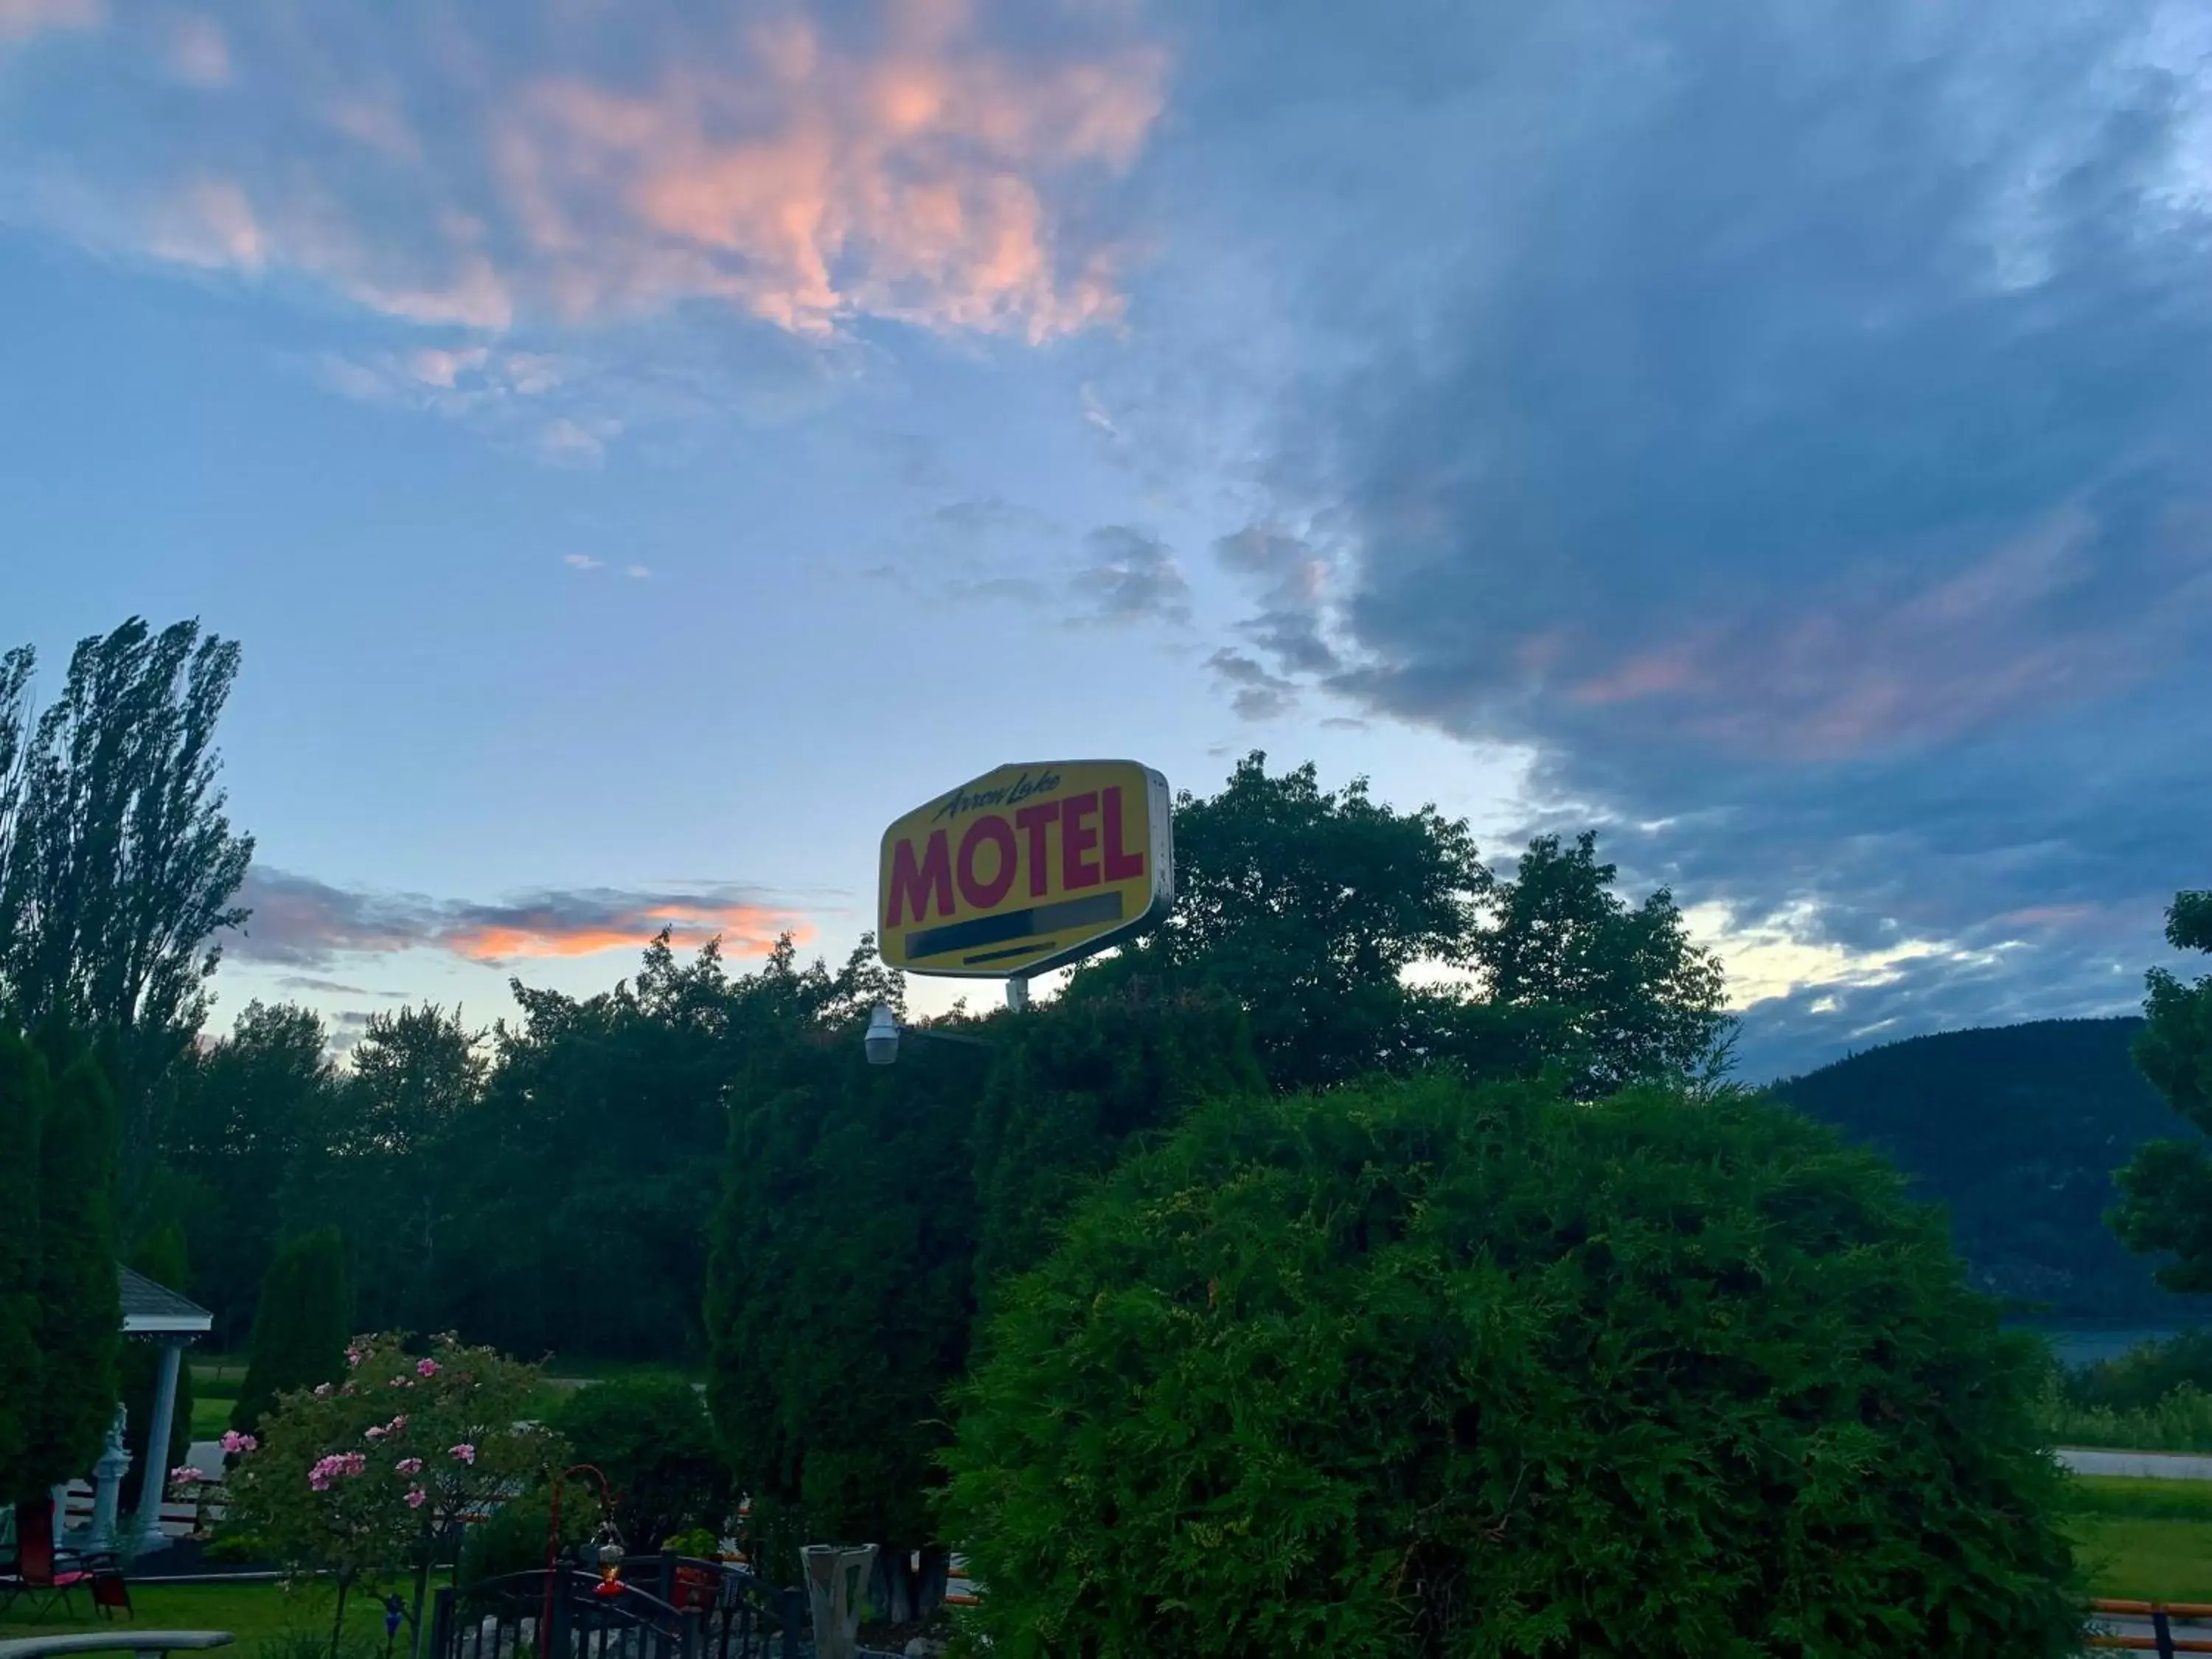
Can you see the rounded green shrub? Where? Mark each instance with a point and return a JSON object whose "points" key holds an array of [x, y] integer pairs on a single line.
{"points": [[1428, 1368], [649, 1435]]}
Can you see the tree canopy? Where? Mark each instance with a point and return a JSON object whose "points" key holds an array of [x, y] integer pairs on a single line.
{"points": [[2167, 1201], [118, 864], [1308, 907], [841, 1290], [255, 1121]]}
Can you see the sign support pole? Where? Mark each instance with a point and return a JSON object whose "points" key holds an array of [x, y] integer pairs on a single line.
{"points": [[1018, 993]]}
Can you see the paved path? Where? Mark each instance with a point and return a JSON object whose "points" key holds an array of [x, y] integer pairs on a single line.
{"points": [[2151, 1465]]}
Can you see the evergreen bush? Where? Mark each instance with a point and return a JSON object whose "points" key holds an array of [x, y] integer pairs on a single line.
{"points": [[57, 1425], [1429, 1369], [300, 1325], [23, 1092]]}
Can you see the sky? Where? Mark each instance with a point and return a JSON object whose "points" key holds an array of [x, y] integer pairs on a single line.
{"points": [[642, 448]]}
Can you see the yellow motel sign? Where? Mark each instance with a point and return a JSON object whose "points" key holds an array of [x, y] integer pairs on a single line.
{"points": [[1026, 868]]}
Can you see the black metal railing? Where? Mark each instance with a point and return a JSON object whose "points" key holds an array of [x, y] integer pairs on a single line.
{"points": [[705, 1610]]}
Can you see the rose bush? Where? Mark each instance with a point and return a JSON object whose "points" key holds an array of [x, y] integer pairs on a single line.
{"points": [[340, 1480]]}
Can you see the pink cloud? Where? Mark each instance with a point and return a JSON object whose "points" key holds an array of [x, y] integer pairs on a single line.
{"points": [[1900, 662], [21, 18], [216, 222], [198, 52], [300, 921], [212, 223], [810, 185], [920, 170], [1654, 673]]}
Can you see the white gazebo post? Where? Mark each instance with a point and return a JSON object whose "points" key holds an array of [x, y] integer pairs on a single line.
{"points": [[152, 1311]]}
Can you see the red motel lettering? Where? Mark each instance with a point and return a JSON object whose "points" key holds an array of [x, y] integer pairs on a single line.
{"points": [[998, 833], [1121, 864], [912, 885], [1034, 821], [996, 847], [1075, 841]]}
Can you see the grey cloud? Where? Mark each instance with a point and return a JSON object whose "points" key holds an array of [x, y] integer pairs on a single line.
{"points": [[981, 516], [1258, 695], [1285, 567], [344, 1030], [1787, 419], [1293, 639], [309, 982], [1132, 577], [961, 585], [1022, 590]]}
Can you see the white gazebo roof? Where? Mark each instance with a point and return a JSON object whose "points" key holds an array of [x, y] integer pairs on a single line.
{"points": [[151, 1309]]}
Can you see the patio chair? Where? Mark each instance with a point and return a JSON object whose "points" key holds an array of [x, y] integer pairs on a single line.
{"points": [[45, 1576]]}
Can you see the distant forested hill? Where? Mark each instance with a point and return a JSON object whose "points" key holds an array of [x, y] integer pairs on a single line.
{"points": [[2016, 1130]]}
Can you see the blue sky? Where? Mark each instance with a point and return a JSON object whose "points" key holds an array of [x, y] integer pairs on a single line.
{"points": [[642, 448]]}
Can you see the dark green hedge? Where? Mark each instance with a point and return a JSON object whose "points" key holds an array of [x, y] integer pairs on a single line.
{"points": [[1426, 1369]]}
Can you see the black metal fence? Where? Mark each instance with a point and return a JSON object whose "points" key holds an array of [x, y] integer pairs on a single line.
{"points": [[668, 1608]]}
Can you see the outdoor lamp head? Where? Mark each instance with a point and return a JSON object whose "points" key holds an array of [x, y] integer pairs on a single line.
{"points": [[882, 1041]]}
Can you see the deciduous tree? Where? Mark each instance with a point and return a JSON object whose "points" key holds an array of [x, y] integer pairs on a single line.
{"points": [[1306, 905], [117, 864], [1637, 999], [2165, 1202], [256, 1119]]}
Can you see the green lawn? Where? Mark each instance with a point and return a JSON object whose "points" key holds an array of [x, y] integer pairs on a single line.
{"points": [[215, 1379], [270, 1621], [2146, 1539], [218, 1373], [2147, 1560]]}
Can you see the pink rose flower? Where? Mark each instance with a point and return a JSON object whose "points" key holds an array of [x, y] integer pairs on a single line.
{"points": [[465, 1451], [187, 1473], [375, 1431], [416, 1497], [233, 1441], [409, 1466], [426, 1368], [337, 1463]]}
